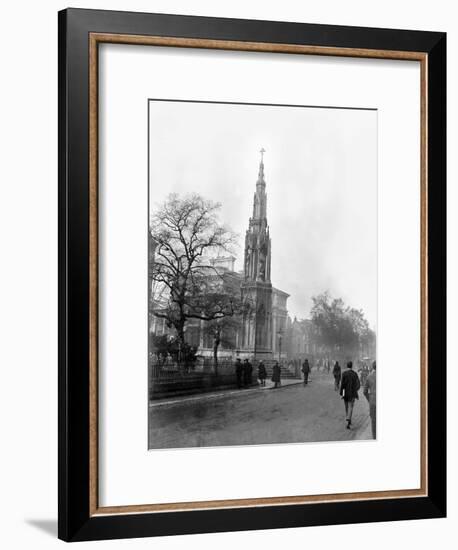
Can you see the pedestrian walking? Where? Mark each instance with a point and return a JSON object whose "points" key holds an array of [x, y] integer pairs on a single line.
{"points": [[306, 371], [276, 374], [370, 393], [238, 372], [337, 373], [365, 374], [349, 387], [262, 373]]}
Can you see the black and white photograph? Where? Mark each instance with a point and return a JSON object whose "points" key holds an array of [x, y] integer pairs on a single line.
{"points": [[226, 225], [262, 261]]}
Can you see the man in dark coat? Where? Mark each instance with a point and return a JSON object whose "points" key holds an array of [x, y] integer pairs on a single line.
{"points": [[238, 372], [247, 370], [306, 371], [337, 373], [349, 387], [276, 374], [262, 373], [370, 393]]}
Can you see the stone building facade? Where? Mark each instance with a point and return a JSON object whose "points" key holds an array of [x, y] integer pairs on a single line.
{"points": [[257, 336], [301, 339], [264, 322]]}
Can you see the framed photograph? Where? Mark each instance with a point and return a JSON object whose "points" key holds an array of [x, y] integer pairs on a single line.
{"points": [[251, 242]]}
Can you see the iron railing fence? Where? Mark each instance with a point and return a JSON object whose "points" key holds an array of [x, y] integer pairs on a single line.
{"points": [[174, 369]]}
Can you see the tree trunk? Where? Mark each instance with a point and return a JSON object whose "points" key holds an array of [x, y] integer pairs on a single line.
{"points": [[179, 327], [215, 354]]}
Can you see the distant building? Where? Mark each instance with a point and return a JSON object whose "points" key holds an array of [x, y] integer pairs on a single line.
{"points": [[301, 339], [279, 322]]}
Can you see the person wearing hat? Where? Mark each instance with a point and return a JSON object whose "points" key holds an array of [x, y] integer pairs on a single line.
{"points": [[276, 375], [349, 387], [370, 393], [337, 373], [306, 371], [262, 373], [247, 372]]}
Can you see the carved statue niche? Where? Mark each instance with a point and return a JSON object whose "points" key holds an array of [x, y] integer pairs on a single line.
{"points": [[262, 261], [247, 262], [262, 267]]}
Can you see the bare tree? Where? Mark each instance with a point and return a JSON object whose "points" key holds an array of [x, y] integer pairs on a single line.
{"points": [[187, 234], [340, 325], [222, 331]]}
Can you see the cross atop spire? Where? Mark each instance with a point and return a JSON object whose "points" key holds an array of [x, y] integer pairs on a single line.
{"points": [[261, 168], [260, 198]]}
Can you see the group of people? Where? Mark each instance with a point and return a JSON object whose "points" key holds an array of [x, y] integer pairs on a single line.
{"points": [[363, 372], [348, 383], [244, 373]]}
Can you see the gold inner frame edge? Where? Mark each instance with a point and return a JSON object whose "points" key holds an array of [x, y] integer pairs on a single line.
{"points": [[94, 40]]}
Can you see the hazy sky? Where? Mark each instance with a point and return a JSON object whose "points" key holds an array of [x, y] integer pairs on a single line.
{"points": [[321, 184]]}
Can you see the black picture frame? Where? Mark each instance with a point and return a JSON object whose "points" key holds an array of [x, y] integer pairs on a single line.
{"points": [[76, 522]]}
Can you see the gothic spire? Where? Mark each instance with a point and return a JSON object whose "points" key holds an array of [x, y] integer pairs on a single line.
{"points": [[257, 239], [261, 180], [260, 198]]}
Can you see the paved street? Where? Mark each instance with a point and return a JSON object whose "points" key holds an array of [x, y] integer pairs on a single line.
{"points": [[290, 414]]}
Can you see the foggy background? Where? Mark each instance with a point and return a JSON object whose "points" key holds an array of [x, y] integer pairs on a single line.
{"points": [[321, 185]]}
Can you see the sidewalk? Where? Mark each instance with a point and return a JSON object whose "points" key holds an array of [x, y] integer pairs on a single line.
{"points": [[365, 430], [286, 382], [222, 393]]}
